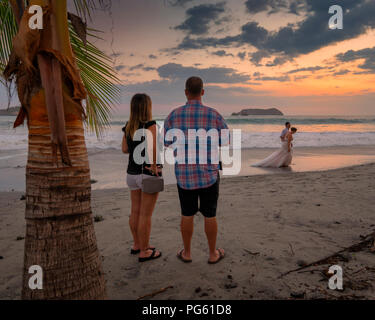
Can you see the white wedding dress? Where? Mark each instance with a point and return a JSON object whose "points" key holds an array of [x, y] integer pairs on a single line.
{"points": [[279, 159]]}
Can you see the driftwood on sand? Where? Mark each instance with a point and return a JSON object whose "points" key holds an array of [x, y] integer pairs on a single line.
{"points": [[153, 294], [367, 242]]}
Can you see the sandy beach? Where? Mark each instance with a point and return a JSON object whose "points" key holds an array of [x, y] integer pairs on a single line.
{"points": [[269, 224]]}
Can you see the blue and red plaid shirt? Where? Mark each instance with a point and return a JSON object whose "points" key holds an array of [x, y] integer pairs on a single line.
{"points": [[195, 116]]}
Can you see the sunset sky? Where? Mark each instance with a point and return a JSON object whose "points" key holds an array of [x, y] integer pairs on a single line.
{"points": [[250, 53]]}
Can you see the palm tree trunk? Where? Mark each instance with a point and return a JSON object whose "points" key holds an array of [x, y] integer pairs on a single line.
{"points": [[60, 235]]}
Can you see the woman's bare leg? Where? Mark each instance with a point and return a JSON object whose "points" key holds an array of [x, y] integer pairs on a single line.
{"points": [[148, 203], [136, 197]]}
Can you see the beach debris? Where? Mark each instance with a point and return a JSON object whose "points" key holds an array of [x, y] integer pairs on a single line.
{"points": [[20, 238], [252, 253], [291, 249], [338, 256], [298, 294], [1, 257], [92, 181], [151, 295], [203, 293], [23, 198], [98, 218], [301, 263], [231, 285]]}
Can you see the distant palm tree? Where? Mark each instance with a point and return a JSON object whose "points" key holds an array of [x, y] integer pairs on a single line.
{"points": [[55, 70]]}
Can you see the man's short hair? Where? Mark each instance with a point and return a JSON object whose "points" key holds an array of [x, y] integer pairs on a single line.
{"points": [[194, 86], [287, 124]]}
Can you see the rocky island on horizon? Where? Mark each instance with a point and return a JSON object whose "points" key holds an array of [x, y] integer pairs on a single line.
{"points": [[259, 112]]}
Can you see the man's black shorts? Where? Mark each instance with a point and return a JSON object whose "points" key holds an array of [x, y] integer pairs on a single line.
{"points": [[207, 199]]}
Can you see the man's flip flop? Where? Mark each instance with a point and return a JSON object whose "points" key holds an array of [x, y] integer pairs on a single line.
{"points": [[180, 257], [222, 256], [152, 257]]}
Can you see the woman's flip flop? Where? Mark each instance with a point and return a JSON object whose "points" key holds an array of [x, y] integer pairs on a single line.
{"points": [[222, 256], [180, 257], [152, 257], [135, 252]]}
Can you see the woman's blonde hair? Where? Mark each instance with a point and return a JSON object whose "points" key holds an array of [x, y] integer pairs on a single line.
{"points": [[140, 113]]}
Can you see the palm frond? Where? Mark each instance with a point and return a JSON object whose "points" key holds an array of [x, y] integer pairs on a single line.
{"points": [[95, 67], [85, 8], [8, 29], [100, 80]]}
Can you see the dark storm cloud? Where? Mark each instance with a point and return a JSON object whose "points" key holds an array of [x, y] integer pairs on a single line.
{"points": [[303, 37], [341, 72], [255, 6], [274, 6], [277, 61], [367, 54], [241, 55], [313, 33], [115, 55], [177, 3], [173, 71], [222, 53], [279, 79], [299, 78], [258, 56], [137, 67], [120, 67], [251, 33], [141, 66], [200, 17], [310, 69]]}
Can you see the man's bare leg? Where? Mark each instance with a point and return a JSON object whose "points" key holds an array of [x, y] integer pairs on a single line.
{"points": [[210, 226], [187, 229]]}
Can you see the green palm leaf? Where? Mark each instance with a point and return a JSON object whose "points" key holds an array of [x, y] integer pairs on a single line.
{"points": [[100, 80], [8, 29], [96, 68]]}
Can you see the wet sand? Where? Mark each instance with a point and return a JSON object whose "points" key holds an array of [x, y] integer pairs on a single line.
{"points": [[108, 167]]}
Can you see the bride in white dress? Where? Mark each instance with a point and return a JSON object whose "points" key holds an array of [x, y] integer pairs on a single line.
{"points": [[282, 157]]}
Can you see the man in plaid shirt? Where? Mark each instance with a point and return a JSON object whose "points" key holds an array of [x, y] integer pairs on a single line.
{"points": [[197, 172]]}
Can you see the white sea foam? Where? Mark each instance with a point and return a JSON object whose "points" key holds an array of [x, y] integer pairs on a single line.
{"points": [[256, 133]]}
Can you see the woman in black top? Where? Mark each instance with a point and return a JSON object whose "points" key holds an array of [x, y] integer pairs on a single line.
{"points": [[142, 204]]}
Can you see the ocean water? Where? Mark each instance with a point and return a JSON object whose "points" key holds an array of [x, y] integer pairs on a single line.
{"points": [[257, 132]]}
